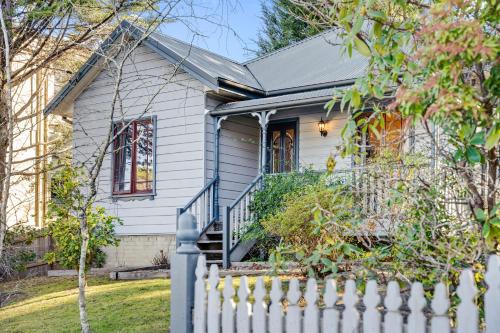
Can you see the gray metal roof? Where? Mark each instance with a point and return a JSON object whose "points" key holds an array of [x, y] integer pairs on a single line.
{"points": [[212, 64], [313, 61], [274, 102]]}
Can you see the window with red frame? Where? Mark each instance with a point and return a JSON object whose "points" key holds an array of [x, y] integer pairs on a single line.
{"points": [[133, 157]]}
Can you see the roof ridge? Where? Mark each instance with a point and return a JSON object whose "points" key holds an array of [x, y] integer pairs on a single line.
{"points": [[284, 48], [197, 47]]}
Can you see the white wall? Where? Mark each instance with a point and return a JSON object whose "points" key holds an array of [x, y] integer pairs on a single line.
{"points": [[178, 105], [313, 148], [239, 154]]}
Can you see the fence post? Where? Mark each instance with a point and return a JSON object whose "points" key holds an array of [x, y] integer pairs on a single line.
{"points": [[183, 275], [226, 238]]}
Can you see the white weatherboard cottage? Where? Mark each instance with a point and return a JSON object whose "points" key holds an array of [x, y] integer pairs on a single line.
{"points": [[205, 129]]}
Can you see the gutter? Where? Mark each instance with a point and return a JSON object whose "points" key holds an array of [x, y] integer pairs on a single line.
{"points": [[272, 105]]}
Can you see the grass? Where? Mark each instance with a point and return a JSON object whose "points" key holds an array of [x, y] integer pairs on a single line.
{"points": [[50, 305]]}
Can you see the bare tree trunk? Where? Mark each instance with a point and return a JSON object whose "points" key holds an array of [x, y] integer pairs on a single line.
{"points": [[82, 279], [6, 134]]}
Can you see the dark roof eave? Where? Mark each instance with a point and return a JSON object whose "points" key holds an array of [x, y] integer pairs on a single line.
{"points": [[331, 84], [270, 106]]}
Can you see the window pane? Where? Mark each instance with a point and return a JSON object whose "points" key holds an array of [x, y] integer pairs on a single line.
{"points": [[144, 156], [123, 160], [275, 160]]}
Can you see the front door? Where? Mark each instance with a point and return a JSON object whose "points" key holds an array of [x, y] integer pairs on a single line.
{"points": [[282, 146]]}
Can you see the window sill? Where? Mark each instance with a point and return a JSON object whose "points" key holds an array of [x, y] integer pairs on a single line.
{"points": [[133, 196]]}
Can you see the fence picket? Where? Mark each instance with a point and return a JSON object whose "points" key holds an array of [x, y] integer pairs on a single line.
{"points": [[213, 308], [350, 317], [199, 316], [228, 306], [275, 309], [311, 312], [371, 316], [467, 314], [440, 323], [416, 320], [243, 309], [492, 296], [293, 316], [259, 316], [209, 316], [393, 321], [330, 314]]}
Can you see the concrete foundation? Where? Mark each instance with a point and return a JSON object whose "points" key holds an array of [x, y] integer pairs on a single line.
{"points": [[139, 251]]}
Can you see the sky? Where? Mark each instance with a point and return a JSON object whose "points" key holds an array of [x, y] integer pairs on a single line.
{"points": [[226, 27]]}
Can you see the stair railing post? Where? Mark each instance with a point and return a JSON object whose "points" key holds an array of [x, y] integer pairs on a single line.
{"points": [[183, 266], [226, 238]]}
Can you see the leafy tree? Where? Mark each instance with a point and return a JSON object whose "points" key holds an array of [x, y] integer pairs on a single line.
{"points": [[64, 226], [282, 26], [436, 64]]}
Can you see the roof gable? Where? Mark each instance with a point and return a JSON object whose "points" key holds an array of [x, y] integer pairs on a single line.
{"points": [[314, 63]]}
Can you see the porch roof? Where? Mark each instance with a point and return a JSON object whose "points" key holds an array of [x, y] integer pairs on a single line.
{"points": [[275, 102]]}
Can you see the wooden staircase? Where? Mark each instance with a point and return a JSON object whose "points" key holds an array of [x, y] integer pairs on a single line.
{"points": [[220, 241], [210, 244]]}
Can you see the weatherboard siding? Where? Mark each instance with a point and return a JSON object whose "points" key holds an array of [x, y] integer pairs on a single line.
{"points": [[149, 88], [238, 153], [314, 149]]}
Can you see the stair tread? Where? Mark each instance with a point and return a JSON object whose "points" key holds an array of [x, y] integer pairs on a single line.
{"points": [[209, 241], [211, 251], [214, 261], [214, 232]]}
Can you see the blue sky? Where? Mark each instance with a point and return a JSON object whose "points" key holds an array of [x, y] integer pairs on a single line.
{"points": [[224, 27]]}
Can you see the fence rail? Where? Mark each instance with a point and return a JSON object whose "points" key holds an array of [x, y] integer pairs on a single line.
{"points": [[339, 311]]}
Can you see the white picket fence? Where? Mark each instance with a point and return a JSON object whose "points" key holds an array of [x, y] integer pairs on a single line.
{"points": [[211, 315]]}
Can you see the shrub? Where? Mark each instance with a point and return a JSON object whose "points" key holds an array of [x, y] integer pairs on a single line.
{"points": [[64, 223], [315, 227], [269, 200], [17, 251]]}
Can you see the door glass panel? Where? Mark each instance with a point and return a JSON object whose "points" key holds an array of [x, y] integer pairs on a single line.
{"points": [[288, 146], [275, 160], [281, 147]]}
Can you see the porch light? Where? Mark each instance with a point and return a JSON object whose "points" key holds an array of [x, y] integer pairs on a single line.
{"points": [[322, 128]]}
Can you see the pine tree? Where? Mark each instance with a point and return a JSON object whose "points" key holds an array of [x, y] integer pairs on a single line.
{"points": [[282, 26]]}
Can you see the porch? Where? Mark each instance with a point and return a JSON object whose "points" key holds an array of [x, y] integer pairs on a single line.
{"points": [[250, 139]]}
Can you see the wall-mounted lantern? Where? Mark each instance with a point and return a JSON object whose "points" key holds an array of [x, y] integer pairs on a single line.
{"points": [[322, 128]]}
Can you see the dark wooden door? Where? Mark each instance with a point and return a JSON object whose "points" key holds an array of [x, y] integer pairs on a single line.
{"points": [[282, 147]]}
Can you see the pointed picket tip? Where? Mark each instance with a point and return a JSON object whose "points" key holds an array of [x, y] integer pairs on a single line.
{"points": [[213, 276], [228, 291], [350, 294], [371, 298], [311, 295], [260, 289], [467, 288], [492, 276], [243, 290], [393, 299], [201, 267], [330, 296], [294, 293], [276, 292], [417, 301], [440, 302]]}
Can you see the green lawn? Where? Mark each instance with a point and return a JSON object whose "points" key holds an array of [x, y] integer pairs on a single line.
{"points": [[50, 305]]}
